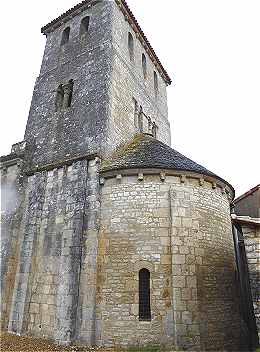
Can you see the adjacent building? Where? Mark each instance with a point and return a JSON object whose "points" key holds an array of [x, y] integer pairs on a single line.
{"points": [[247, 219]]}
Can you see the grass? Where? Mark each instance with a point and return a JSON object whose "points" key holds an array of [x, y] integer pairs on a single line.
{"points": [[144, 349], [155, 348]]}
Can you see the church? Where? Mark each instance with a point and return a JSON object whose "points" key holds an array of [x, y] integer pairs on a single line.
{"points": [[109, 236]]}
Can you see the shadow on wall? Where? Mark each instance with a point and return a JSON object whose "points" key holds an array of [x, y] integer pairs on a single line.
{"points": [[220, 322], [9, 199]]}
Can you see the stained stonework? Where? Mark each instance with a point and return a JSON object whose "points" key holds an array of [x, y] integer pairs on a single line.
{"points": [[55, 252], [134, 234], [105, 82], [203, 268], [11, 196], [90, 200], [182, 234]]}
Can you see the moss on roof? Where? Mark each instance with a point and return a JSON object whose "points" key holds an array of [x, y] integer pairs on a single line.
{"points": [[144, 151]]}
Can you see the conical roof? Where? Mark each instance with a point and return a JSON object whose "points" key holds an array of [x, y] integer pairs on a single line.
{"points": [[144, 151]]}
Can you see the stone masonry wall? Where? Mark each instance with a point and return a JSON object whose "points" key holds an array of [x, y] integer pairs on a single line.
{"points": [[80, 129], [57, 215], [129, 85], [252, 247], [11, 198], [102, 113], [203, 268], [181, 232], [134, 234], [88, 327]]}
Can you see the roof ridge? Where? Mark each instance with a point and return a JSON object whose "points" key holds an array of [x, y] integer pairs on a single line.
{"points": [[248, 193]]}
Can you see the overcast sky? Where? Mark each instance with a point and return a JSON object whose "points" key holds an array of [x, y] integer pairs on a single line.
{"points": [[211, 50]]}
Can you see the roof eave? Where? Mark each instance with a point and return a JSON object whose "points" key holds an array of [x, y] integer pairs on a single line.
{"points": [[248, 193], [168, 171]]}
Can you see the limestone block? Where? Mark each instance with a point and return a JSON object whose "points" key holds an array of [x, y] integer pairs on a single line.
{"points": [[166, 259], [191, 281], [178, 259], [187, 317], [179, 281]]}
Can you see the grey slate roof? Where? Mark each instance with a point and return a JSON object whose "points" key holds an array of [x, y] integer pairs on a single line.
{"points": [[144, 151]]}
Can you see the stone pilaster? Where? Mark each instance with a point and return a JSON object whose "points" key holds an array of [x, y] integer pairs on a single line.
{"points": [[29, 232], [87, 322]]}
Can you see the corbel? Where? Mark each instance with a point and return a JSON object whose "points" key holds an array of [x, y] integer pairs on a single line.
{"points": [[140, 176], [201, 181], [119, 177], [183, 178], [162, 176]]}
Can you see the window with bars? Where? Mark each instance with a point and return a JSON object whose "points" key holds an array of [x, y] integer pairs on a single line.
{"points": [[144, 295]]}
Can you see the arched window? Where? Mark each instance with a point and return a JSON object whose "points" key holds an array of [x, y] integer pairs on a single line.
{"points": [[144, 64], [131, 46], [65, 36], [84, 26], [155, 77], [64, 96], [144, 295]]}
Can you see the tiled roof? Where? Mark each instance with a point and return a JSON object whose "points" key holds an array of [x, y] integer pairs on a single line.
{"points": [[144, 151], [66, 16], [248, 193]]}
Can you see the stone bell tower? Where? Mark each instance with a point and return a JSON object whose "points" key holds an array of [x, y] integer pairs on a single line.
{"points": [[100, 83], [110, 236], [99, 74]]}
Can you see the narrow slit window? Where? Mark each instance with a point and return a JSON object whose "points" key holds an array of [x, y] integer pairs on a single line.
{"points": [[155, 83], [64, 96], [65, 36], [84, 26], [154, 130], [68, 91], [135, 112], [59, 98], [131, 46], [140, 120], [144, 295], [144, 64]]}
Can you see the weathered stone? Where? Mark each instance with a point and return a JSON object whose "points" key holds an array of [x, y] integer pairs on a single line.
{"points": [[75, 248]]}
